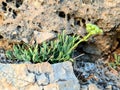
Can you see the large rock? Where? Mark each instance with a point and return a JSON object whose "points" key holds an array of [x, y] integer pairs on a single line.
{"points": [[38, 77]]}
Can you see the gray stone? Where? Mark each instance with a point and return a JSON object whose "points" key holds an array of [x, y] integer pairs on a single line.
{"points": [[63, 71], [84, 87], [64, 76], [89, 66], [38, 76], [42, 80], [68, 85], [109, 87], [99, 75]]}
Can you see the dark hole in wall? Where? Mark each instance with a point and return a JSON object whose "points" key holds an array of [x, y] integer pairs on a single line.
{"points": [[14, 14], [42, 12], [83, 21], [78, 22], [60, 1], [68, 17], [89, 19], [10, 9], [9, 1], [4, 8], [61, 14], [39, 25], [55, 31], [87, 9], [4, 4], [19, 3], [1, 37], [18, 27]]}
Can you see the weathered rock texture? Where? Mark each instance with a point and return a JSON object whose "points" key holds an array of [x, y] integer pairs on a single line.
{"points": [[20, 18], [38, 77], [97, 76]]}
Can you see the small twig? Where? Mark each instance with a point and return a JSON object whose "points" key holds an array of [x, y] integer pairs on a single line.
{"points": [[78, 56]]}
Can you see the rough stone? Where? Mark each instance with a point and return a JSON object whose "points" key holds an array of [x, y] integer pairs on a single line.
{"points": [[32, 87], [93, 87], [68, 85], [63, 71], [38, 76], [109, 87], [26, 16], [97, 74], [52, 87], [40, 37], [84, 87], [42, 79]]}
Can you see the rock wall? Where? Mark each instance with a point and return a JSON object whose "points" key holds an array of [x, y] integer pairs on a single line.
{"points": [[20, 18]]}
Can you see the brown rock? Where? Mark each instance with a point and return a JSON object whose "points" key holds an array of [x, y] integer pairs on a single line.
{"points": [[95, 11], [40, 37], [71, 16], [1, 18], [33, 87], [93, 87], [5, 85]]}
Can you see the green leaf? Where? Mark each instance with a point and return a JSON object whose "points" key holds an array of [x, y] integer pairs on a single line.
{"points": [[9, 54]]}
